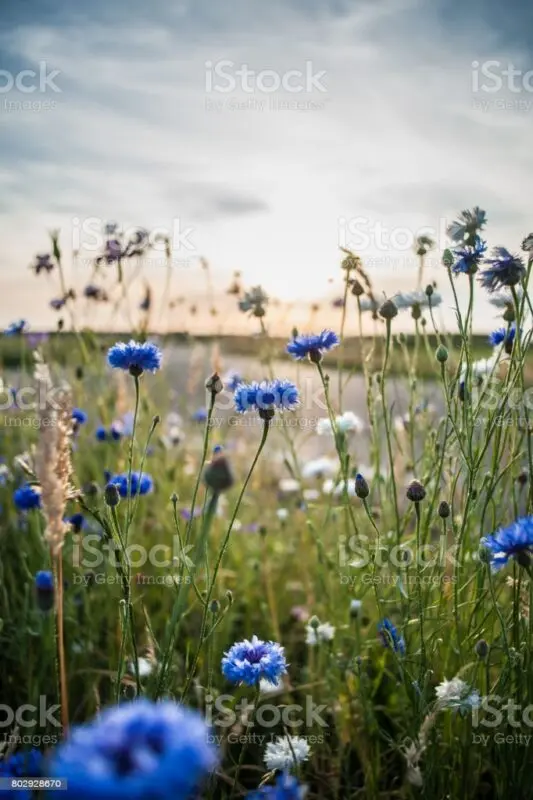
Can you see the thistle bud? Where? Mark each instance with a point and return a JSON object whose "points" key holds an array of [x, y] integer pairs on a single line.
{"points": [[388, 310], [509, 313], [444, 510], [481, 648], [441, 354], [111, 495], [214, 384], [357, 289], [218, 475], [361, 486], [415, 492]]}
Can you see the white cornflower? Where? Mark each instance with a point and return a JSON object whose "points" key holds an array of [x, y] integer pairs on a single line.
{"points": [[355, 607], [481, 368], [330, 487], [320, 468], [289, 485], [448, 691], [324, 632], [282, 514], [269, 687], [409, 299], [146, 667], [311, 494], [456, 694], [286, 752], [345, 423]]}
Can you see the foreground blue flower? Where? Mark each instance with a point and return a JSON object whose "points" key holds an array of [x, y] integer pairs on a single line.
{"points": [[514, 541], [27, 497], [266, 396], [390, 637], [285, 788], [135, 751], [505, 270], [251, 660], [469, 257], [135, 357], [312, 345], [20, 765], [140, 484]]}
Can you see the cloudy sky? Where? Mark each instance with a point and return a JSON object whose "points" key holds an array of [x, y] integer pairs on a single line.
{"points": [[164, 115]]}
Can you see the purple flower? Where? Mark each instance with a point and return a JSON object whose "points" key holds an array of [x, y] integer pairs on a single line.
{"points": [[505, 270], [43, 262], [469, 257]]}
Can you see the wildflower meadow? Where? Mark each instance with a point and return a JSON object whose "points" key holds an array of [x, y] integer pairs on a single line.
{"points": [[219, 578]]}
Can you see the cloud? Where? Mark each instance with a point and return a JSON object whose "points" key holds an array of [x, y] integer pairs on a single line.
{"points": [[136, 136]]}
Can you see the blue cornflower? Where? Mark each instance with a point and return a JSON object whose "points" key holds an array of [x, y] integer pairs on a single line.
{"points": [[44, 580], [77, 521], [390, 637], [266, 396], [249, 661], [505, 270], [231, 380], [57, 303], [503, 335], [135, 357], [27, 497], [115, 431], [134, 751], [467, 226], [79, 416], [16, 327], [101, 433], [44, 590], [27, 764], [285, 788], [140, 484], [200, 415], [515, 540], [312, 345], [469, 257]]}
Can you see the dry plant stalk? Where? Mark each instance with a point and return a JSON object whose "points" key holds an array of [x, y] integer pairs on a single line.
{"points": [[53, 465], [53, 469]]}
